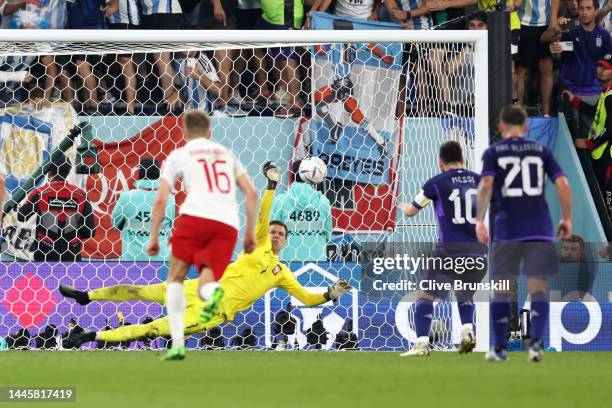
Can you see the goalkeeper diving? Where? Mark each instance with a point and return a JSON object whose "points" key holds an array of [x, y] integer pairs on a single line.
{"points": [[245, 281]]}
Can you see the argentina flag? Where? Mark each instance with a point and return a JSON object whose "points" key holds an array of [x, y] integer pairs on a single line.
{"points": [[355, 92]]}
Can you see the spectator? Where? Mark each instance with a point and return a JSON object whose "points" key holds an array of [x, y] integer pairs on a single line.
{"points": [[448, 13], [459, 69], [414, 14], [247, 16], [532, 54], [218, 15], [572, 249], [605, 251], [276, 17], [89, 14], [307, 214], [52, 15], [7, 9], [249, 11], [163, 15], [576, 272], [590, 43], [512, 6], [570, 18], [201, 82], [132, 215], [446, 69], [14, 70], [127, 17], [604, 16], [191, 14], [366, 9], [598, 141], [64, 216], [14, 77]]}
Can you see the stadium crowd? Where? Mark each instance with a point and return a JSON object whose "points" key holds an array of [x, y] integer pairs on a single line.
{"points": [[239, 82]]}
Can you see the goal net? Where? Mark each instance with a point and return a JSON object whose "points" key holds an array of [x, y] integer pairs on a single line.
{"points": [[373, 102]]}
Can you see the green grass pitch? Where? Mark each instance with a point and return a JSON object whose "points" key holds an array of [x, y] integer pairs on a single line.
{"points": [[312, 379]]}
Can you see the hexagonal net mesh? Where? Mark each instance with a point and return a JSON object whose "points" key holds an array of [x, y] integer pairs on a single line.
{"points": [[86, 128]]}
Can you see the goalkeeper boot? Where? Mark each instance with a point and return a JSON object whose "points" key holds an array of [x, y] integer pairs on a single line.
{"points": [[175, 353], [496, 355], [536, 351], [211, 308], [468, 344], [81, 297]]}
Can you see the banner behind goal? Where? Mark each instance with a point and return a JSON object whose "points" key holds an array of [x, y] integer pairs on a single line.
{"points": [[373, 102]]}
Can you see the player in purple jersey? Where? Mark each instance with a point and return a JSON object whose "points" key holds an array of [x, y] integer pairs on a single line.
{"points": [[513, 175], [453, 193]]}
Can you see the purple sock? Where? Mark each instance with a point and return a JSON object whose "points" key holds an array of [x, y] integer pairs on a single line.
{"points": [[422, 317], [500, 312], [539, 314], [466, 312]]}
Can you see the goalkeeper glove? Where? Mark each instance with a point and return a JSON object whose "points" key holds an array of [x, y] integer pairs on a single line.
{"points": [[272, 171], [337, 289]]}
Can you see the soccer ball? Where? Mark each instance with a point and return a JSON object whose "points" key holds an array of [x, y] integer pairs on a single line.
{"points": [[312, 170]]}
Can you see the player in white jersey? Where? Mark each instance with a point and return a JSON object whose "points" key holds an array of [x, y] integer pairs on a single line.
{"points": [[205, 233]]}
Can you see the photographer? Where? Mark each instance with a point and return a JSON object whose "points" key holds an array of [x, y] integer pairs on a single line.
{"points": [[307, 214], [598, 137], [132, 215], [579, 50], [64, 216]]}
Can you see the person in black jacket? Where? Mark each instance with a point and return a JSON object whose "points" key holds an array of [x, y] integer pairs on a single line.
{"points": [[598, 140]]}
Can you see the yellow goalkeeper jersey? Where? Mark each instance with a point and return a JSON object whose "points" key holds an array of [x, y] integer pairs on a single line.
{"points": [[249, 277]]}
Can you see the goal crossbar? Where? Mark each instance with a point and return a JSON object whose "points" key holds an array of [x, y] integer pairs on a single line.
{"points": [[242, 37]]}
